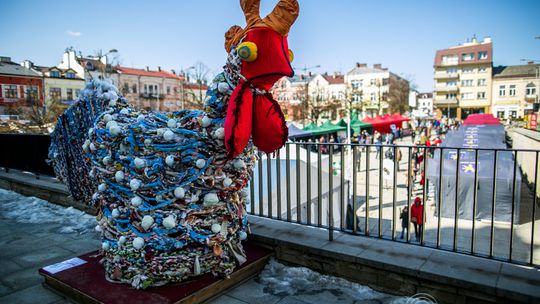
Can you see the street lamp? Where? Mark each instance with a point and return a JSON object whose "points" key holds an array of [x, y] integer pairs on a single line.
{"points": [[104, 70]]}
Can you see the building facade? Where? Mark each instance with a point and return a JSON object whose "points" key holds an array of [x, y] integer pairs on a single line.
{"points": [[61, 86], [89, 68], [371, 89], [20, 87], [291, 94], [515, 90], [463, 79]]}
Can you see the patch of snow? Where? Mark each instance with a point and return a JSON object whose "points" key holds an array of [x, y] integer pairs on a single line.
{"points": [[304, 283], [32, 210]]}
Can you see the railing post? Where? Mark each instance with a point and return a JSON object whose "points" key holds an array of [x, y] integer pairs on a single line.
{"points": [[330, 194], [308, 188]]}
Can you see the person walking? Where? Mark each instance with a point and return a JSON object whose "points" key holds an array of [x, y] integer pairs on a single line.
{"points": [[417, 217], [404, 216]]}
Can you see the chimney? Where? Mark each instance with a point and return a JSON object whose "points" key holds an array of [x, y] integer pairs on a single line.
{"points": [[147, 69], [174, 72], [361, 65], [159, 69], [530, 62], [385, 69], [27, 64], [309, 74], [5, 59], [487, 39], [377, 66]]}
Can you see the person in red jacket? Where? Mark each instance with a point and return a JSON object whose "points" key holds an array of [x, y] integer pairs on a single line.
{"points": [[417, 217]]}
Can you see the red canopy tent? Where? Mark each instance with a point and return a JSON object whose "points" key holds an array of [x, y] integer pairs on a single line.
{"points": [[382, 123], [481, 119]]}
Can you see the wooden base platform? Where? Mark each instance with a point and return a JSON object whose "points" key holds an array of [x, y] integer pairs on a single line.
{"points": [[86, 283]]}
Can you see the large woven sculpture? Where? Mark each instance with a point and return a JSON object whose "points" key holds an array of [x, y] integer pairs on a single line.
{"points": [[170, 188]]}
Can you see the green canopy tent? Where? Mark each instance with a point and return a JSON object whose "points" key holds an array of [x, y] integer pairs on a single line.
{"points": [[326, 128], [356, 125]]}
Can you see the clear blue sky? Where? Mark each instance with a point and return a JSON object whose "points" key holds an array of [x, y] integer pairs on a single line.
{"points": [[403, 35]]}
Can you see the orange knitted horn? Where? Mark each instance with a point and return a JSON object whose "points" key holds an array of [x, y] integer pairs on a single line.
{"points": [[251, 11], [283, 16]]}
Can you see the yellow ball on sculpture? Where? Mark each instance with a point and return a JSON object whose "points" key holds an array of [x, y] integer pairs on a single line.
{"points": [[247, 51], [291, 56]]}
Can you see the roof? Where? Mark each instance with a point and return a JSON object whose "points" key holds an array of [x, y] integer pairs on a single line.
{"points": [[149, 73], [364, 70], [334, 79], [193, 86], [459, 50], [44, 69], [299, 79], [11, 68], [425, 95], [527, 70]]}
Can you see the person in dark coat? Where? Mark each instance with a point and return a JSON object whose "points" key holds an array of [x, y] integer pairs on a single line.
{"points": [[417, 217], [404, 216]]}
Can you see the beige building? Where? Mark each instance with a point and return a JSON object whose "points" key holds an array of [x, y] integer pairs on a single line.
{"points": [[371, 89], [515, 90], [463, 79]]}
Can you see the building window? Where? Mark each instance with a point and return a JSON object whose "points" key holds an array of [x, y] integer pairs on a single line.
{"points": [[356, 84], [482, 70], [468, 71], [373, 81], [55, 94], [70, 75], [467, 83], [69, 93], [512, 90], [451, 83], [373, 97], [502, 90], [125, 89], [481, 95], [10, 91], [482, 55], [513, 113], [77, 93], [32, 93], [168, 90], [134, 88], [55, 74], [451, 96], [449, 60], [467, 96], [467, 56], [451, 71], [530, 89], [482, 82]]}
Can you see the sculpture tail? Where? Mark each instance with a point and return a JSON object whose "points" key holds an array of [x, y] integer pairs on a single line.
{"points": [[66, 152]]}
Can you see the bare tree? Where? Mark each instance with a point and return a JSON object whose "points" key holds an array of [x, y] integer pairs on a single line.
{"points": [[353, 99], [198, 73], [42, 116], [398, 97]]}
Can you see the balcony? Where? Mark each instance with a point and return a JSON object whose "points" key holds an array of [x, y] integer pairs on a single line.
{"points": [[445, 75], [530, 97], [442, 87], [444, 101], [152, 95]]}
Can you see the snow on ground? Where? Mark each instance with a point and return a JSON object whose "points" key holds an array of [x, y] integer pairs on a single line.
{"points": [[304, 283], [32, 210]]}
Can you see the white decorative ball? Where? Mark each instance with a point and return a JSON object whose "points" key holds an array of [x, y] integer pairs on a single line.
{"points": [[206, 121], [147, 221], [122, 240], [242, 235], [179, 192], [105, 246], [169, 160], [210, 199], [160, 131], [115, 213], [106, 160], [168, 135], [85, 147], [219, 133], [216, 228], [102, 187], [140, 117], [227, 182], [115, 130], [92, 147], [139, 163], [119, 176], [223, 87], [200, 163], [98, 228], [169, 222], [171, 123], [92, 173], [239, 164], [134, 184], [147, 142], [90, 132], [136, 201], [112, 103], [124, 111], [110, 124], [138, 243], [107, 117]]}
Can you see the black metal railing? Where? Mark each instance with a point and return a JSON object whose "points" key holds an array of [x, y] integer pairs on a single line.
{"points": [[26, 152], [475, 201]]}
